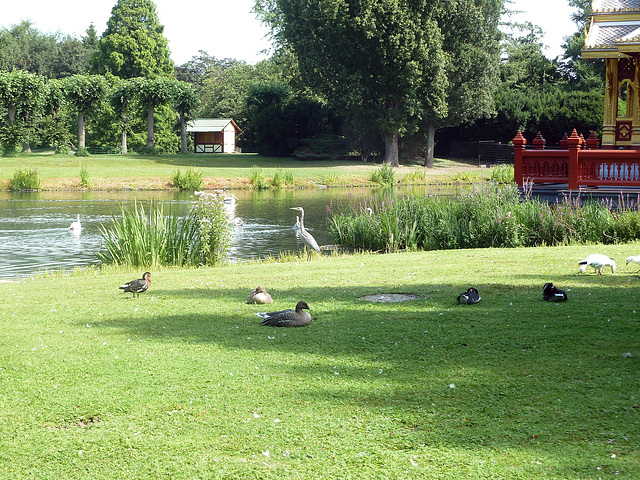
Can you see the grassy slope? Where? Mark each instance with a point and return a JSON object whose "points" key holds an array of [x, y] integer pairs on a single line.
{"points": [[233, 170], [184, 382]]}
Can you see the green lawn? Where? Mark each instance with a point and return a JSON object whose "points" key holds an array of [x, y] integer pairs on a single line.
{"points": [[185, 383], [145, 171]]}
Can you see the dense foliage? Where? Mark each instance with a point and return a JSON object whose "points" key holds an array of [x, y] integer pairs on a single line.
{"points": [[487, 216]]}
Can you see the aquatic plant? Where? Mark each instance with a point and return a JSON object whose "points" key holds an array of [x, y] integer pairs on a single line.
{"points": [[25, 179], [486, 216], [191, 179], [152, 239]]}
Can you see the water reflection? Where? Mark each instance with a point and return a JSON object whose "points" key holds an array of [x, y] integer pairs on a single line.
{"points": [[35, 233]]}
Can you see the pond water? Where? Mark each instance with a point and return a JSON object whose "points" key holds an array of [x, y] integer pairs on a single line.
{"points": [[35, 235]]}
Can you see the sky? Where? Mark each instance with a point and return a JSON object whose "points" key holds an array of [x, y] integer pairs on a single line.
{"points": [[227, 28]]}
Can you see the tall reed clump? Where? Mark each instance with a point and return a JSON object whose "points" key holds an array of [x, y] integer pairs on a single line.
{"points": [[502, 173], [153, 239], [25, 179], [383, 176], [191, 179], [281, 178], [257, 178], [487, 216], [84, 177]]}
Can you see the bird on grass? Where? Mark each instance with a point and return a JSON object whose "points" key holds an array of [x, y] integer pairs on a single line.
{"points": [[552, 293], [76, 227], [287, 318], [598, 262], [137, 286], [633, 259], [469, 297], [259, 295], [305, 236]]}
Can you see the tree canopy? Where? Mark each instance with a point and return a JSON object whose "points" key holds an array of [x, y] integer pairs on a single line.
{"points": [[133, 45]]}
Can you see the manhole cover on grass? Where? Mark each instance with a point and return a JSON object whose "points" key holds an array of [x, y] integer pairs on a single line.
{"points": [[390, 297]]}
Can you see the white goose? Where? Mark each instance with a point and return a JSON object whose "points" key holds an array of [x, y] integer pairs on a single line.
{"points": [[76, 226], [597, 262], [633, 259]]}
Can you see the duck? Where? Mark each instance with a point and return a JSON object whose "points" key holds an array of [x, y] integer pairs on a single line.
{"points": [[259, 295], [137, 286], [553, 294], [76, 226], [633, 259], [469, 297], [287, 318], [597, 262]]}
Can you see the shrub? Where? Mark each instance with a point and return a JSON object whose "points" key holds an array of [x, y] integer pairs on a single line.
{"points": [[25, 179], [82, 152], [191, 179]]}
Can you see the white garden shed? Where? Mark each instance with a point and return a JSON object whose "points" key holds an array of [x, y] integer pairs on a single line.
{"points": [[214, 135]]}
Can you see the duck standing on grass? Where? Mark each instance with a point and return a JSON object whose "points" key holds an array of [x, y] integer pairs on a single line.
{"points": [[633, 259], [469, 297], [259, 295], [553, 294], [287, 318], [597, 262], [137, 286]]}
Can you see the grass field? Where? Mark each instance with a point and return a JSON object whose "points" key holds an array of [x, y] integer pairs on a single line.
{"points": [[219, 170], [185, 383]]}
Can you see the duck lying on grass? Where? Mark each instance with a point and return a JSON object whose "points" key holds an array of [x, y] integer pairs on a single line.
{"points": [[598, 262], [553, 294], [137, 286], [469, 297], [259, 295], [287, 318]]}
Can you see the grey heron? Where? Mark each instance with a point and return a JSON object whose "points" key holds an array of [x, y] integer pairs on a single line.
{"points": [[305, 236], [287, 318]]}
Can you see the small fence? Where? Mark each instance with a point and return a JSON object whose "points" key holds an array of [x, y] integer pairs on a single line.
{"points": [[486, 152]]}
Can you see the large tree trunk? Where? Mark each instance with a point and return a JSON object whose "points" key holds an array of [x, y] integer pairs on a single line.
{"points": [[26, 147], [150, 138], [431, 140], [81, 131], [183, 134], [391, 149]]}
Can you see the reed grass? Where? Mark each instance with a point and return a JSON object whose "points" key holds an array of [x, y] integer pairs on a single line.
{"points": [[152, 239], [84, 177], [257, 179], [190, 179], [487, 216], [502, 173], [383, 176], [25, 179]]}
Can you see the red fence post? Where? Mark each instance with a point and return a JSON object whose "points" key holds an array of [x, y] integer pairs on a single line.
{"points": [[518, 150], [573, 142]]}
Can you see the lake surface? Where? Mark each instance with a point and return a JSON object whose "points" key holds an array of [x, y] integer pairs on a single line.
{"points": [[35, 235]]}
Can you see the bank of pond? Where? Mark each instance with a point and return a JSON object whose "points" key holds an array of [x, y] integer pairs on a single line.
{"points": [[191, 230]]}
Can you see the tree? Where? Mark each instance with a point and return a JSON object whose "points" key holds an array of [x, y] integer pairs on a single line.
{"points": [[471, 50], [123, 94], [186, 101], [159, 91], [21, 95], [84, 92], [23, 47], [375, 59], [56, 132], [133, 45]]}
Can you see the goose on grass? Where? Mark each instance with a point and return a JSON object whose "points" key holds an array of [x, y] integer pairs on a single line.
{"points": [[287, 318], [137, 286], [597, 262]]}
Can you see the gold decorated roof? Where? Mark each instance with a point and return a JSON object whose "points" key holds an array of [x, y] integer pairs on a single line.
{"points": [[614, 29]]}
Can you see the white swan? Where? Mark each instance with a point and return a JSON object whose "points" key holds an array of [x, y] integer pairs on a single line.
{"points": [[76, 226]]}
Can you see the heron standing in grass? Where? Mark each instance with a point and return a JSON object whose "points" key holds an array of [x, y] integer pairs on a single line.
{"points": [[305, 236]]}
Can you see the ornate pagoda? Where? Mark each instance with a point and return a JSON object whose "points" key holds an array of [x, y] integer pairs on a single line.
{"points": [[614, 35]]}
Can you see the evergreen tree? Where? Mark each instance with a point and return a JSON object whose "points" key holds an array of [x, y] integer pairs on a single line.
{"points": [[133, 45]]}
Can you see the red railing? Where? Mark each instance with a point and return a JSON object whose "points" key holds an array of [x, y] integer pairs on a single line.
{"points": [[578, 162]]}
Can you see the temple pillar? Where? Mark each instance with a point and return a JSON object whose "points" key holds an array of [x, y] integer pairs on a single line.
{"points": [[610, 104], [632, 104]]}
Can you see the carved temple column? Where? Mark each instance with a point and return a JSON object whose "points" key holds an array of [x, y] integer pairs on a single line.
{"points": [[610, 104]]}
